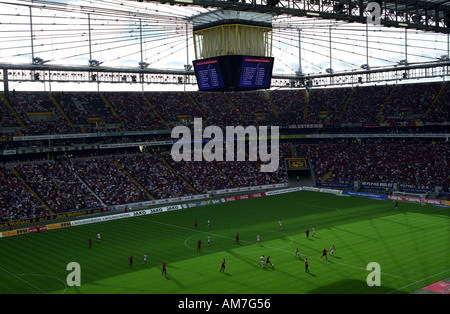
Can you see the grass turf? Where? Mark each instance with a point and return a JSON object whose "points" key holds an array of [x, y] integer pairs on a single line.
{"points": [[410, 244]]}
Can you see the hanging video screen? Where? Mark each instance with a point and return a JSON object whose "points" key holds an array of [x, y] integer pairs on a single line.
{"points": [[256, 72], [209, 74], [233, 73]]}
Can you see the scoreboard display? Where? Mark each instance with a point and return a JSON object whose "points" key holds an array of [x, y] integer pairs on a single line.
{"points": [[233, 73], [256, 72], [209, 74]]}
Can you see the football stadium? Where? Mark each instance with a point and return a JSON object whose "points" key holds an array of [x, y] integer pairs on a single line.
{"points": [[218, 147]]}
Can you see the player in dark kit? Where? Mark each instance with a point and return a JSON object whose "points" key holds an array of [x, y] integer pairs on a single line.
{"points": [[164, 271], [199, 245], [268, 262], [222, 268], [307, 233], [237, 238], [90, 242], [195, 224], [131, 260], [324, 253]]}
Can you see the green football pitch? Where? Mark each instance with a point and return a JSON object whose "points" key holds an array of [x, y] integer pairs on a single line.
{"points": [[410, 244]]}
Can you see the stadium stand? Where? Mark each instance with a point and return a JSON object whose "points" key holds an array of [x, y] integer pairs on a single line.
{"points": [[16, 201], [104, 177], [57, 185], [40, 176], [414, 165], [153, 174], [134, 112]]}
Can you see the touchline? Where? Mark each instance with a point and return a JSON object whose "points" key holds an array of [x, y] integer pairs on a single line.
{"points": [[213, 149]]}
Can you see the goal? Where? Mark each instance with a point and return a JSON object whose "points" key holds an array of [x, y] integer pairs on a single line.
{"points": [[409, 197], [409, 194]]}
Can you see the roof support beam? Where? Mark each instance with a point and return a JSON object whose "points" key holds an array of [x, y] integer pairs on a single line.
{"points": [[416, 14]]}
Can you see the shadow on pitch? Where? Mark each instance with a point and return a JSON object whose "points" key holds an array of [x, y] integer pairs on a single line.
{"points": [[352, 286], [246, 260], [177, 282]]}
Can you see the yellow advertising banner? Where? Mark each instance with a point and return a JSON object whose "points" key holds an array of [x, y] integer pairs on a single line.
{"points": [[39, 228], [297, 163]]}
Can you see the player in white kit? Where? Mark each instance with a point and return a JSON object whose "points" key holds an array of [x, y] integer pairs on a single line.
{"points": [[262, 260]]}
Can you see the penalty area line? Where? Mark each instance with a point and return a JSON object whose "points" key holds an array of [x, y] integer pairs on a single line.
{"points": [[21, 279], [417, 281]]}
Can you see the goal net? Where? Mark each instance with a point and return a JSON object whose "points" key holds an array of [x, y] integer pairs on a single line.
{"points": [[409, 197]]}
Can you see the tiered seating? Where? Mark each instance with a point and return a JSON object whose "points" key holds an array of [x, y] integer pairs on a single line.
{"points": [[254, 107], [244, 173], [56, 184], [135, 113], [217, 108], [89, 111], [440, 112], [155, 176], [108, 182], [413, 163], [365, 104], [417, 165], [16, 202], [50, 121], [326, 104], [336, 107], [173, 105], [408, 102], [290, 105], [7, 119], [202, 176]]}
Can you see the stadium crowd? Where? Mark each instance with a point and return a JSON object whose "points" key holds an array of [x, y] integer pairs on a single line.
{"points": [[414, 165], [104, 177], [134, 112], [97, 179], [112, 111], [57, 185], [16, 201], [202, 176], [93, 182], [153, 175]]}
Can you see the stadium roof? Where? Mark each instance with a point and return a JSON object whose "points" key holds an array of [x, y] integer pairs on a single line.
{"points": [[310, 36], [431, 15]]}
